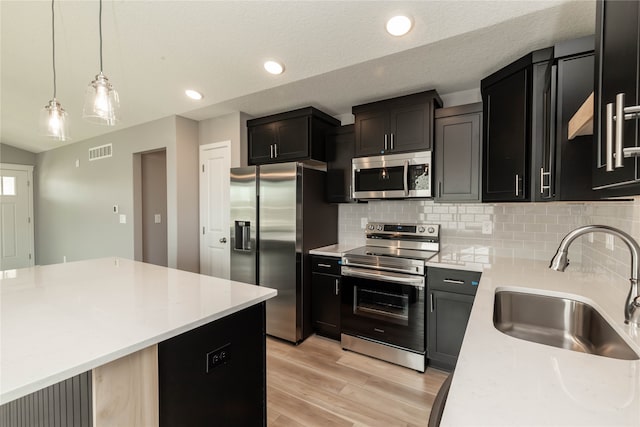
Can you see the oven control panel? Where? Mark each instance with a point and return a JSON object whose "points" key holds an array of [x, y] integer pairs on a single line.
{"points": [[431, 231]]}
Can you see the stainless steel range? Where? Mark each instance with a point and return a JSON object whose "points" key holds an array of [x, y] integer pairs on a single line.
{"points": [[383, 298]]}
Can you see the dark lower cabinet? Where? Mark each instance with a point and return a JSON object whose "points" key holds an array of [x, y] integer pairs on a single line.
{"points": [[215, 374], [325, 296], [451, 294]]}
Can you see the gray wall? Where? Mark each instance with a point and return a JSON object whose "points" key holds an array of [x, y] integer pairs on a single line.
{"points": [[232, 127], [154, 202], [16, 156], [74, 216]]}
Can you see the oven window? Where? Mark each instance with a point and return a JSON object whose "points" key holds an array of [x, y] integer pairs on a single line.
{"points": [[380, 305], [380, 179]]}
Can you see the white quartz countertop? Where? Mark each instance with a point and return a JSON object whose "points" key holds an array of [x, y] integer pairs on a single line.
{"points": [[60, 320], [336, 250], [503, 381]]}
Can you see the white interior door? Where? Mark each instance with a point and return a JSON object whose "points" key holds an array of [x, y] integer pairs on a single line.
{"points": [[16, 216], [215, 161]]}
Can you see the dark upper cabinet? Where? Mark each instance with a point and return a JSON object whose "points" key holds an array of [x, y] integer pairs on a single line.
{"points": [[506, 132], [617, 50], [527, 107], [325, 295], [457, 153], [291, 136], [451, 295], [396, 125], [340, 146], [570, 177]]}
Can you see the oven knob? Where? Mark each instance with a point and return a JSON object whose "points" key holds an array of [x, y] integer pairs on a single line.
{"points": [[431, 230], [379, 228], [420, 229], [371, 227]]}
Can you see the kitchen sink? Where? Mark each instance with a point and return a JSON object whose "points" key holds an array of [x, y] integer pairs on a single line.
{"points": [[558, 322]]}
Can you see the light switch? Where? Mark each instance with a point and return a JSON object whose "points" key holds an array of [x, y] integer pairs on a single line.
{"points": [[123, 219], [156, 219], [363, 222], [116, 208]]}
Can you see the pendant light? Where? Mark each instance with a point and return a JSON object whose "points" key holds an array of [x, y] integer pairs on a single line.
{"points": [[53, 118], [101, 103]]}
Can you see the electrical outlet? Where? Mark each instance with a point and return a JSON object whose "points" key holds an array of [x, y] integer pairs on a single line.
{"points": [[487, 227], [218, 357], [590, 237], [157, 219], [116, 208], [363, 222]]}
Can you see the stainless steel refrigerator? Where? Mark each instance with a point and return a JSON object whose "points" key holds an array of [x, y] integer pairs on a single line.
{"points": [[279, 213]]}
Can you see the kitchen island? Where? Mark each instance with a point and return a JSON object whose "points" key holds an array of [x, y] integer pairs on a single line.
{"points": [[504, 381], [62, 320]]}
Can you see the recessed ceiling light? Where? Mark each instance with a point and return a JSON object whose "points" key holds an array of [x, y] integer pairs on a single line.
{"points": [[399, 25], [273, 67], [194, 94]]}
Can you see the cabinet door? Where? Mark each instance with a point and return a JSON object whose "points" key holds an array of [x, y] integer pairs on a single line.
{"points": [[617, 67], [292, 139], [372, 129], [325, 304], [457, 150], [410, 128], [573, 165], [448, 318], [504, 169], [340, 150], [261, 141]]}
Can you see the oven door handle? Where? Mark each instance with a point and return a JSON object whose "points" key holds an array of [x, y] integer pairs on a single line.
{"points": [[417, 281]]}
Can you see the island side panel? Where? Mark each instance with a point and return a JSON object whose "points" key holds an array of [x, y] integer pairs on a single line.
{"points": [[125, 391], [216, 374], [67, 403]]}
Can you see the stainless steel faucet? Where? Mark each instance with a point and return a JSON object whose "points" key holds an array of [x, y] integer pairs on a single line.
{"points": [[559, 262]]}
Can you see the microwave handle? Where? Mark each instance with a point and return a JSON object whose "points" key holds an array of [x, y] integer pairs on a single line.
{"points": [[406, 178]]}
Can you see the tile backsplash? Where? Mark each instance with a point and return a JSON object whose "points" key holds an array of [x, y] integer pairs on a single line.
{"points": [[518, 230]]}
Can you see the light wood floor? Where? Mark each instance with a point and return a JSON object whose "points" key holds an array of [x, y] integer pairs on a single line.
{"points": [[319, 384]]}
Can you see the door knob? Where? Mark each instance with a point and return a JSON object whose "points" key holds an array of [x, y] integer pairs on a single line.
{"points": [[223, 240]]}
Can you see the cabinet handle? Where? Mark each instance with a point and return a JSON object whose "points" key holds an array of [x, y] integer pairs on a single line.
{"points": [[609, 138], [542, 186], [324, 265], [439, 189], [619, 130], [517, 185], [385, 142], [406, 172], [454, 281], [431, 305], [275, 150], [392, 145], [271, 149], [337, 286]]}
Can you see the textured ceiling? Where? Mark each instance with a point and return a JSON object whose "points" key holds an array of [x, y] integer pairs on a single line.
{"points": [[336, 54]]}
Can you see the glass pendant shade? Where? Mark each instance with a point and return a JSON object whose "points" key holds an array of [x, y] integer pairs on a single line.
{"points": [[53, 121], [101, 104]]}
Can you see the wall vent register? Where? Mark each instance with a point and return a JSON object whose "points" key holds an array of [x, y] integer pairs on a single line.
{"points": [[101, 152]]}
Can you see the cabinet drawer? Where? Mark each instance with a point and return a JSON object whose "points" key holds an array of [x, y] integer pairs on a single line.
{"points": [[451, 280], [325, 264]]}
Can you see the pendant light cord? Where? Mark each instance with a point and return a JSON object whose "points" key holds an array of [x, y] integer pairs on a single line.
{"points": [[100, 29], [53, 38]]}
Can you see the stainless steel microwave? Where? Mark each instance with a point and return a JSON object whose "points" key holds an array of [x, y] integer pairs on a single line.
{"points": [[395, 176]]}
